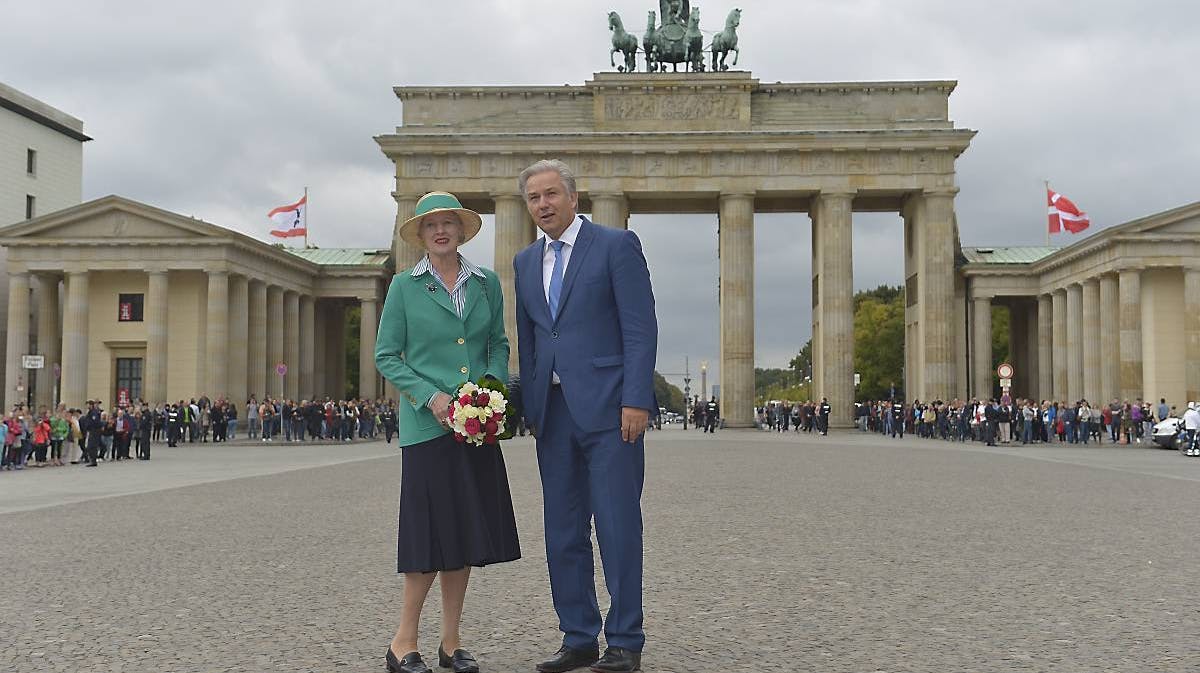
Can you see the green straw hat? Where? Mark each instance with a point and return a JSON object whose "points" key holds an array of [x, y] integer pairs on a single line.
{"points": [[439, 202]]}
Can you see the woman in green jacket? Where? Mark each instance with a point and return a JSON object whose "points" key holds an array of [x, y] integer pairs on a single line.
{"points": [[442, 326]]}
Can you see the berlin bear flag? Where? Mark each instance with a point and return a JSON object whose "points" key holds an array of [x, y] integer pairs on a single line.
{"points": [[290, 220], [1064, 213]]}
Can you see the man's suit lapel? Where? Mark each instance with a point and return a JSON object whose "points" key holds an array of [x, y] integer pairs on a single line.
{"points": [[578, 256], [437, 294]]}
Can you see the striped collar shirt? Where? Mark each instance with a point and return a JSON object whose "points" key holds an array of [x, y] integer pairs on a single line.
{"points": [[457, 292]]}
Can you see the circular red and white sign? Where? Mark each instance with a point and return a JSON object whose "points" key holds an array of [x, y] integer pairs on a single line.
{"points": [[1005, 370]]}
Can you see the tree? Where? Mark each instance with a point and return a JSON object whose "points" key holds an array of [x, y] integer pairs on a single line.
{"points": [[801, 365], [668, 394], [878, 345]]}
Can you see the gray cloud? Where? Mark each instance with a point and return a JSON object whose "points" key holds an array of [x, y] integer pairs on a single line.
{"points": [[223, 110]]}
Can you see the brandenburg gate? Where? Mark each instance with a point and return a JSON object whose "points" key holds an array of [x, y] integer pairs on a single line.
{"points": [[721, 142]]}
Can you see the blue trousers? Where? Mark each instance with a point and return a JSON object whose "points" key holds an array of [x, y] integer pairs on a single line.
{"points": [[585, 476]]}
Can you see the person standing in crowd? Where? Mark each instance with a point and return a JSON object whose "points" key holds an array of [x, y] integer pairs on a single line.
{"points": [[60, 429], [122, 429], [143, 445], [712, 414], [174, 424], [1191, 425], [41, 438]]}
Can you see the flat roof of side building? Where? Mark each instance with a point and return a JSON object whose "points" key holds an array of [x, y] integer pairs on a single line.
{"points": [[1008, 254], [342, 256], [51, 117]]}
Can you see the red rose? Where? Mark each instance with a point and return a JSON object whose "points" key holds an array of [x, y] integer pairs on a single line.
{"points": [[490, 427], [490, 439], [472, 426], [465, 401], [482, 399], [459, 438], [498, 416]]}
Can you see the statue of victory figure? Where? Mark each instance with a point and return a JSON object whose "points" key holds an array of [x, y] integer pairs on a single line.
{"points": [[674, 12]]}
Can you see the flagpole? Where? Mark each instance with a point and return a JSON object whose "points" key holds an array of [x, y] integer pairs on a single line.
{"points": [[1047, 183], [306, 218]]}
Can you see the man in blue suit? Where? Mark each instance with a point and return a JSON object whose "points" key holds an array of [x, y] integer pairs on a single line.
{"points": [[587, 339]]}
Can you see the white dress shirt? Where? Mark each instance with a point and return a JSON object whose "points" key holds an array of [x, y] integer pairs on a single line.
{"points": [[568, 238]]}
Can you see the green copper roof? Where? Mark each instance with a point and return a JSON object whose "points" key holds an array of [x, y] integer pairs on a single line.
{"points": [[1018, 255], [342, 256]]}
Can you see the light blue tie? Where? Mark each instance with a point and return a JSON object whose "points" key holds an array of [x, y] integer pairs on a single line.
{"points": [[556, 278]]}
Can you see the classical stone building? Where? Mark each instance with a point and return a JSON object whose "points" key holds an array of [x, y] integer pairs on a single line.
{"points": [[41, 168], [721, 143], [1115, 315], [137, 302]]}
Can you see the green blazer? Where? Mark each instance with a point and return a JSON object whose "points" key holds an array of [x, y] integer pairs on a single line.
{"points": [[424, 347]]}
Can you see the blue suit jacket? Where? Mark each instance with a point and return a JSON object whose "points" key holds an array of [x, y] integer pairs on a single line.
{"points": [[604, 341]]}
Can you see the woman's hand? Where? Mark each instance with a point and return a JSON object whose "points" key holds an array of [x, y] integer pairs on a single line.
{"points": [[440, 406]]}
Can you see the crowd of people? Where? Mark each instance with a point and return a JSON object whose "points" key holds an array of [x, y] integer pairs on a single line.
{"points": [[45, 438], [993, 421], [1010, 421]]}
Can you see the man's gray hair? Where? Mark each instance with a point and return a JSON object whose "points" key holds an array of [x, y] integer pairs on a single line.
{"points": [[545, 166]]}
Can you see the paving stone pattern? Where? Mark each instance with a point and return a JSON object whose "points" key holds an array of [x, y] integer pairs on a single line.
{"points": [[845, 553]]}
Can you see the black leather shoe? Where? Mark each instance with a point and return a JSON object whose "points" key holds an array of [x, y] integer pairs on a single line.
{"points": [[409, 663], [461, 662], [618, 660], [568, 659]]}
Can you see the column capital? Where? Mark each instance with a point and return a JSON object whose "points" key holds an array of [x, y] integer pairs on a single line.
{"points": [[736, 195], [837, 193], [216, 272], [506, 196], [606, 195], [399, 196]]}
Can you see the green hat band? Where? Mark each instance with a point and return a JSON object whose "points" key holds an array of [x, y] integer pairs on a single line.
{"points": [[436, 201]]}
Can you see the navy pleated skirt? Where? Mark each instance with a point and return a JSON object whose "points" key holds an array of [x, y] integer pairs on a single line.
{"points": [[455, 508]]}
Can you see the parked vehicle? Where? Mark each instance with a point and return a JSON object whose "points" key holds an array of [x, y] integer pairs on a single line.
{"points": [[1169, 433]]}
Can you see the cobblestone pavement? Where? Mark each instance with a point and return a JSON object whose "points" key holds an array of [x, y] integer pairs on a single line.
{"points": [[842, 553]]}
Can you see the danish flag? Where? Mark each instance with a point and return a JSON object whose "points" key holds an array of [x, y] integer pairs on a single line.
{"points": [[1065, 214]]}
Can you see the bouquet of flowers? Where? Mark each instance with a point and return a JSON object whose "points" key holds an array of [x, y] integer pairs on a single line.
{"points": [[477, 414]]}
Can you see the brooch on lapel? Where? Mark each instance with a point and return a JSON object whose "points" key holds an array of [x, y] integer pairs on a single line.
{"points": [[431, 287]]}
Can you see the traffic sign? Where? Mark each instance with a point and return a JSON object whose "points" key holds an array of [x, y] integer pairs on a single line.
{"points": [[281, 369], [33, 361], [1005, 370], [1006, 383]]}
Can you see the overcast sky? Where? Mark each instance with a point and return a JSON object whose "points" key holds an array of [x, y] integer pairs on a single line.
{"points": [[223, 110]]}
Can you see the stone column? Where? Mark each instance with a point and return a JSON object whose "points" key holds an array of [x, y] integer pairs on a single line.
{"points": [[834, 278], [514, 231], [320, 355], [75, 341], [49, 339], [291, 343], [1059, 303], [154, 383], [1091, 342], [307, 348], [1129, 284], [1018, 348], [256, 368], [18, 340], [274, 338], [1074, 343], [1045, 336], [1191, 333], [938, 236], [611, 210], [404, 255], [216, 365], [366, 348], [1110, 339], [239, 341], [981, 348], [737, 309]]}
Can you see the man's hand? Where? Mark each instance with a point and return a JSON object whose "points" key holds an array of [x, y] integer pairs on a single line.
{"points": [[633, 423], [440, 406]]}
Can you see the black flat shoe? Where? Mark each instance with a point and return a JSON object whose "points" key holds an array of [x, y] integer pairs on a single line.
{"points": [[568, 659], [618, 660], [409, 663], [461, 662]]}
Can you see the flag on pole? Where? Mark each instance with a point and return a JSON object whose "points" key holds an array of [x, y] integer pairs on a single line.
{"points": [[290, 220], [1065, 214]]}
